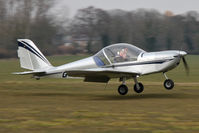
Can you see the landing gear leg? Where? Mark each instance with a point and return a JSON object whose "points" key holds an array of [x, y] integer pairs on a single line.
{"points": [[138, 87], [123, 89], [168, 83]]}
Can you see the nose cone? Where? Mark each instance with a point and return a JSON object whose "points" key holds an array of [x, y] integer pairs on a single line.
{"points": [[182, 53]]}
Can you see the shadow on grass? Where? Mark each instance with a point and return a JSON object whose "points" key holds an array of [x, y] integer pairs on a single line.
{"points": [[93, 96], [148, 96]]}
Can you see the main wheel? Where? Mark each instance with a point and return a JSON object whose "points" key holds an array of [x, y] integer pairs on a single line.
{"points": [[122, 89], [140, 89], [168, 84]]}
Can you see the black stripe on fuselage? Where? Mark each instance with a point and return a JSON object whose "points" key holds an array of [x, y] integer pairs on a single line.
{"points": [[31, 49], [139, 63]]}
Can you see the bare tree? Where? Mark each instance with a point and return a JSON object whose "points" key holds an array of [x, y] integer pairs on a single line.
{"points": [[86, 23]]}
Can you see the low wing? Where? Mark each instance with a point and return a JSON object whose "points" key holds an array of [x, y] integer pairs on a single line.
{"points": [[100, 75], [91, 75]]}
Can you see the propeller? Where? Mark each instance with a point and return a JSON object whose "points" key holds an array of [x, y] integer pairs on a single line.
{"points": [[185, 65], [182, 54]]}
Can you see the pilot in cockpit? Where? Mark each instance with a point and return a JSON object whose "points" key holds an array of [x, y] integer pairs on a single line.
{"points": [[121, 55]]}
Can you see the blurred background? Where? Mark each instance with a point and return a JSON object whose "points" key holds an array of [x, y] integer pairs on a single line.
{"points": [[75, 29], [84, 27]]}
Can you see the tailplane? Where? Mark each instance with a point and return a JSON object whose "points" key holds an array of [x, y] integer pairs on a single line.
{"points": [[30, 56]]}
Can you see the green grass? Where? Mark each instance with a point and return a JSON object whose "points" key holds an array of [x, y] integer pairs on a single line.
{"points": [[60, 105]]}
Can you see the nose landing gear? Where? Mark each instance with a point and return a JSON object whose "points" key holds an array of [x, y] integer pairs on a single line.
{"points": [[168, 83]]}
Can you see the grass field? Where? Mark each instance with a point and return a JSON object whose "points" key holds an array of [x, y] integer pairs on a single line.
{"points": [[72, 106]]}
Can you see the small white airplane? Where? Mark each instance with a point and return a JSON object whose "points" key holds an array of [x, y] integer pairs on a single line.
{"points": [[123, 61]]}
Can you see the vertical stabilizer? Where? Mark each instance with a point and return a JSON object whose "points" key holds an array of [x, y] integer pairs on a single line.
{"points": [[30, 56]]}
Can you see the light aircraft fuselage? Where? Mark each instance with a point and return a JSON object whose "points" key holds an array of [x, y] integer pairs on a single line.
{"points": [[123, 61]]}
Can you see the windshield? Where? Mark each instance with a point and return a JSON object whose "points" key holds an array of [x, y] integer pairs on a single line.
{"points": [[122, 52], [116, 53]]}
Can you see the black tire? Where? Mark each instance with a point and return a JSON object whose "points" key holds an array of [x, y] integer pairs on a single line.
{"points": [[141, 89], [122, 89], [168, 84]]}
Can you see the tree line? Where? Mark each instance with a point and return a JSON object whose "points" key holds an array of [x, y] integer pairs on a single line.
{"points": [[30, 19], [148, 29]]}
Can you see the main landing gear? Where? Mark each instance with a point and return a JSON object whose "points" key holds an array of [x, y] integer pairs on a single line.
{"points": [[168, 83], [139, 87], [123, 89]]}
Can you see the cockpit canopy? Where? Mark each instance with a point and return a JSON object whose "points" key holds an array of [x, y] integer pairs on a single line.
{"points": [[117, 53]]}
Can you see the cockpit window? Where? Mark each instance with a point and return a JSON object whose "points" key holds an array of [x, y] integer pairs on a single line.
{"points": [[117, 53], [122, 53], [100, 59]]}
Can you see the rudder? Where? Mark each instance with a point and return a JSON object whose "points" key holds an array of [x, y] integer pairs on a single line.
{"points": [[30, 56]]}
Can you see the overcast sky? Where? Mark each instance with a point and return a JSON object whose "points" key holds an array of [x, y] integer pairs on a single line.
{"points": [[176, 6]]}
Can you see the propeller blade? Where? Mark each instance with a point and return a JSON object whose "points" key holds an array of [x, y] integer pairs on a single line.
{"points": [[185, 65]]}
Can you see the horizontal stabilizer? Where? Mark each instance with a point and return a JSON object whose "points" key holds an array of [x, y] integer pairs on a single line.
{"points": [[30, 72]]}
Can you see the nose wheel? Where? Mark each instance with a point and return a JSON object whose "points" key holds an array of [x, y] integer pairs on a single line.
{"points": [[168, 83]]}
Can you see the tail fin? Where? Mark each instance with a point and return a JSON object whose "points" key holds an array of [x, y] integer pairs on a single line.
{"points": [[30, 56]]}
